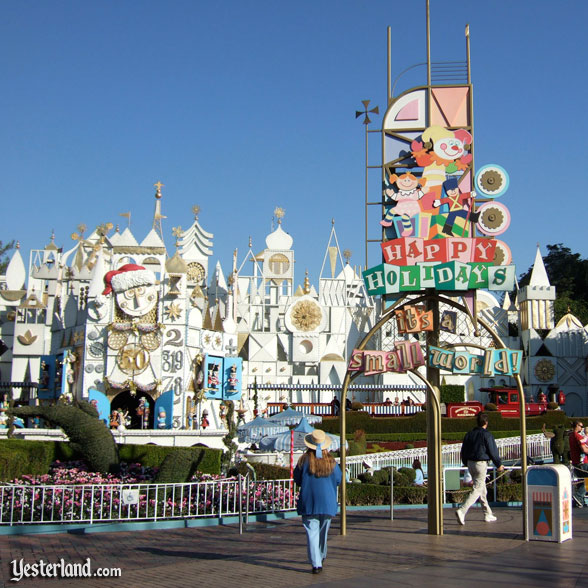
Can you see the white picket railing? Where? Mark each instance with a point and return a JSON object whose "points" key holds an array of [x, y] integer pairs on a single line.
{"points": [[92, 503], [509, 449]]}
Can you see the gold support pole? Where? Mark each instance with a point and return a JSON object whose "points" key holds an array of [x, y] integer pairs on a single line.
{"points": [[366, 195], [343, 453], [389, 66], [434, 465], [523, 411]]}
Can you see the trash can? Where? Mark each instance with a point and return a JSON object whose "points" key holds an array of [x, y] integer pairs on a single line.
{"points": [[549, 503]]}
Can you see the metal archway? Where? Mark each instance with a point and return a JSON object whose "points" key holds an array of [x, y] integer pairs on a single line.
{"points": [[435, 498]]}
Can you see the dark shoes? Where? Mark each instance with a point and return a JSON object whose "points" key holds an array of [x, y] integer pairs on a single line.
{"points": [[317, 570]]}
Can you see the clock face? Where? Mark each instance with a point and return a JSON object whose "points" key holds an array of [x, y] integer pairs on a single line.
{"points": [[544, 370], [137, 301], [196, 272]]}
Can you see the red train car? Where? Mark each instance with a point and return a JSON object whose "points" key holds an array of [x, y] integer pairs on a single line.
{"points": [[506, 401]]}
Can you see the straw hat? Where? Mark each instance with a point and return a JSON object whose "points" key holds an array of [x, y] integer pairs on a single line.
{"points": [[317, 436]]}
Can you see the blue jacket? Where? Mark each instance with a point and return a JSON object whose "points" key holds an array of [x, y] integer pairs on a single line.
{"points": [[317, 495], [479, 445]]}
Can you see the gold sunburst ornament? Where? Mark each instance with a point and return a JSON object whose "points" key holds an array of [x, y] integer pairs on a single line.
{"points": [[544, 370], [173, 312], [306, 315]]}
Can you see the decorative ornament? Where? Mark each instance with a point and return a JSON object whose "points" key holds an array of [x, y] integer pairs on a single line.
{"points": [[133, 359], [151, 341], [544, 370], [27, 338], [96, 349], [116, 340], [492, 181], [173, 312], [502, 254], [494, 218], [306, 315], [196, 272]]}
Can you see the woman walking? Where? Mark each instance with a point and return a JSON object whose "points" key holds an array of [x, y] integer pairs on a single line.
{"points": [[318, 476]]}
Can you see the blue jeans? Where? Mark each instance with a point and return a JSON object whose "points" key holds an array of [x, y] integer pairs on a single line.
{"points": [[317, 529]]}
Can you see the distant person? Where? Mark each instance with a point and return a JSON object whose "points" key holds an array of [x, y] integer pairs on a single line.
{"points": [[318, 476], [577, 452], [347, 404], [420, 476], [388, 402], [335, 406], [477, 449], [396, 401]]}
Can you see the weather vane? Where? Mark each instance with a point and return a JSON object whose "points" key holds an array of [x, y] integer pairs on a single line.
{"points": [[365, 111], [177, 233]]}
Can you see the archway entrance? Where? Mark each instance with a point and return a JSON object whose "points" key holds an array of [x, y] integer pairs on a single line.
{"points": [[382, 337], [129, 405]]}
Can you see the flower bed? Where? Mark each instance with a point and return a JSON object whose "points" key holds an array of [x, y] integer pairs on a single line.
{"points": [[69, 493]]}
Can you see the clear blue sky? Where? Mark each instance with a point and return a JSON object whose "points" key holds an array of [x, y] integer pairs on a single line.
{"points": [[241, 106]]}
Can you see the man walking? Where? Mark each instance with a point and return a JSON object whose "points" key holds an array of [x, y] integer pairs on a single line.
{"points": [[477, 449]]}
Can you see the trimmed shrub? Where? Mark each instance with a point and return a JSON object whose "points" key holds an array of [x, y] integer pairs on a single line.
{"points": [[177, 466], [552, 406], [452, 393], [409, 473], [85, 430], [356, 406], [358, 446], [371, 494], [207, 460], [490, 407]]}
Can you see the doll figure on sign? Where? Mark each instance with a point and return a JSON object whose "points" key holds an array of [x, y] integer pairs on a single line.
{"points": [[204, 423], [406, 198], [143, 412], [233, 381], [459, 206], [161, 419], [114, 419]]}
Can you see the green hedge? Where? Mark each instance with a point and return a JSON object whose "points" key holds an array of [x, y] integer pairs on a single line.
{"points": [[19, 457], [504, 493], [451, 393], [372, 494], [208, 461], [418, 423]]}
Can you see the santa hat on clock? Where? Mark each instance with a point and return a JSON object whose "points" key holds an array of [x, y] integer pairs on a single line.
{"points": [[126, 277]]}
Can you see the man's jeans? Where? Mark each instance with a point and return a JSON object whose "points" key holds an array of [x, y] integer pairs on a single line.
{"points": [[478, 471]]}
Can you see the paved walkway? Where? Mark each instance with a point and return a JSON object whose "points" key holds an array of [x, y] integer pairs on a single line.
{"points": [[376, 551]]}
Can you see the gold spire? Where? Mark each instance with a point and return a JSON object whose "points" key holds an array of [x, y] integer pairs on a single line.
{"points": [[196, 211], [306, 283]]}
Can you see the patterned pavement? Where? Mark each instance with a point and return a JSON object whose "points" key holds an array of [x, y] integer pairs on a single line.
{"points": [[376, 551]]}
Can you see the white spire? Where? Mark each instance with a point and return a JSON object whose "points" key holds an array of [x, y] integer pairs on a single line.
{"points": [[539, 273]]}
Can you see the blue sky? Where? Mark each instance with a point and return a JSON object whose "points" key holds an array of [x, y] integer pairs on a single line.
{"points": [[245, 105]]}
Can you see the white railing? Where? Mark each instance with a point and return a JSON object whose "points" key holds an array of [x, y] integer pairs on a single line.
{"points": [[92, 503], [509, 449]]}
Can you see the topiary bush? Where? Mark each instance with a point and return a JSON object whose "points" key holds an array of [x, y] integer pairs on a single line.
{"points": [[490, 407], [177, 466], [86, 432], [452, 393], [358, 446]]}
